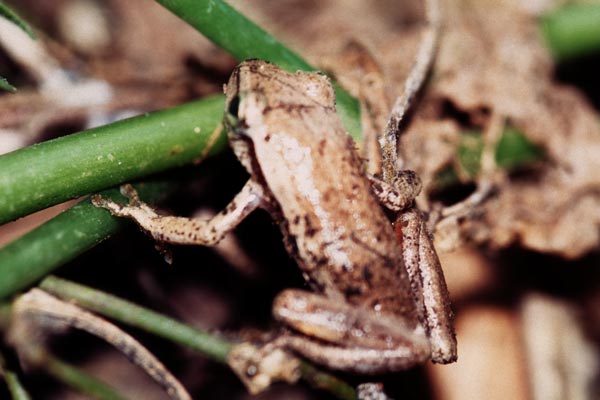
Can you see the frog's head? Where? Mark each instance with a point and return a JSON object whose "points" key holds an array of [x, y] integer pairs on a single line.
{"points": [[257, 87], [263, 103]]}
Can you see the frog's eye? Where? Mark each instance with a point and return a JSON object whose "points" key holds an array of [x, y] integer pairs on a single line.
{"points": [[232, 119], [234, 105]]}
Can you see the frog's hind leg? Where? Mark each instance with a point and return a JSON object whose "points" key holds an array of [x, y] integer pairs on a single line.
{"points": [[180, 230], [427, 284], [347, 337], [360, 360]]}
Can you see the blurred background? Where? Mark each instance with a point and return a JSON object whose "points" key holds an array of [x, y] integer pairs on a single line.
{"points": [[522, 266]]}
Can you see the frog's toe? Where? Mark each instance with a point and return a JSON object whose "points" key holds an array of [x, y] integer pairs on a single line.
{"points": [[101, 202], [129, 191]]}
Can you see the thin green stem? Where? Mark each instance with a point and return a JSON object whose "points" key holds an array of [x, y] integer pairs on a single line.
{"points": [[140, 317], [243, 39], [17, 390], [322, 380], [5, 315], [15, 387], [13, 17], [51, 172], [79, 380], [207, 344]]}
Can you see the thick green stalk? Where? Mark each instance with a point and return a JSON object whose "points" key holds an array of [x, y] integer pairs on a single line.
{"points": [[234, 33], [243, 39], [51, 172], [74, 231]]}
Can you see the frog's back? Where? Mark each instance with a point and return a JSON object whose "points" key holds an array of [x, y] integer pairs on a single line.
{"points": [[333, 223]]}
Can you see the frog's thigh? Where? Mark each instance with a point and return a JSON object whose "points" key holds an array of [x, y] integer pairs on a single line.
{"points": [[180, 230], [399, 195], [350, 338], [428, 285]]}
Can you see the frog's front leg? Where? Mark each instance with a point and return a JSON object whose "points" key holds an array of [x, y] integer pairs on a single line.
{"points": [[180, 230], [347, 337]]}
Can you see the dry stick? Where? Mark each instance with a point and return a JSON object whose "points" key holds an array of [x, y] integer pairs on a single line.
{"points": [[50, 313], [388, 141]]}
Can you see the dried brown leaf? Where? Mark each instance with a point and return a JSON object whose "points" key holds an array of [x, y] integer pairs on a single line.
{"points": [[492, 59]]}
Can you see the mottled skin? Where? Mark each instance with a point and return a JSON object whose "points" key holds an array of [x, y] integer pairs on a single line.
{"points": [[380, 301], [335, 227]]}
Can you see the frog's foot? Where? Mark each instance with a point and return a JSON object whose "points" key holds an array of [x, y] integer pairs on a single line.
{"points": [[135, 206], [401, 193], [259, 366], [181, 230]]}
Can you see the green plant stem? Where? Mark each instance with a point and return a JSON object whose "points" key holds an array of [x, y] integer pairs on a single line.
{"points": [[233, 32], [4, 85], [15, 387], [321, 380], [34, 255], [79, 380], [9, 14], [51, 172], [13, 17], [572, 30], [140, 317], [207, 344], [243, 39], [5, 315], [17, 390]]}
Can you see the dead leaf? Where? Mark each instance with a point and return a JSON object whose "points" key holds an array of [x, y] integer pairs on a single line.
{"points": [[482, 65]]}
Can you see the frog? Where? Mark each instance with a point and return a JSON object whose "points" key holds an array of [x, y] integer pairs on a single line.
{"points": [[379, 301]]}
